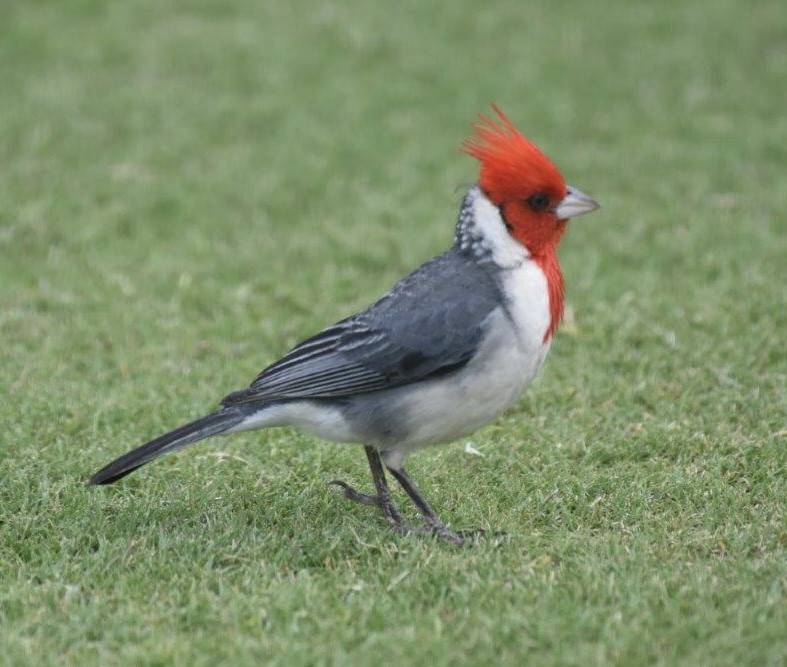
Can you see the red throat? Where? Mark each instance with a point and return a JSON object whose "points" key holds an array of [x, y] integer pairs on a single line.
{"points": [[551, 268]]}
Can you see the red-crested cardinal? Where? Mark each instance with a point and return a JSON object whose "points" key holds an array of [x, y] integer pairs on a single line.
{"points": [[445, 351]]}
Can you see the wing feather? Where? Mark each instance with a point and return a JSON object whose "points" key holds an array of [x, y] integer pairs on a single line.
{"points": [[429, 324]]}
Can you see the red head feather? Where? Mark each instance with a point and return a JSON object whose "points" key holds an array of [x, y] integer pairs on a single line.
{"points": [[511, 165]]}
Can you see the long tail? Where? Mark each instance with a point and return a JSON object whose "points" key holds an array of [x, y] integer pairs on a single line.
{"points": [[204, 427]]}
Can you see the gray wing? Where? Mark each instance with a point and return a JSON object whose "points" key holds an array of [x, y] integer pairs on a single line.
{"points": [[429, 324]]}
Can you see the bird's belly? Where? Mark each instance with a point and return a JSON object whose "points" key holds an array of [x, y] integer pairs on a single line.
{"points": [[324, 419], [444, 409]]}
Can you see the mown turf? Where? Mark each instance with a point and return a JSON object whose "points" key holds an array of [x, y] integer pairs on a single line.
{"points": [[189, 188]]}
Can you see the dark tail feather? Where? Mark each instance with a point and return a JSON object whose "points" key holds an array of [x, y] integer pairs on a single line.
{"points": [[202, 428]]}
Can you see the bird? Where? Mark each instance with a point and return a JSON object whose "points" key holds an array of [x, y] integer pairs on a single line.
{"points": [[445, 351]]}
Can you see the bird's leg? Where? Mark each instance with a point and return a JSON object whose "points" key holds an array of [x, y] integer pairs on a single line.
{"points": [[434, 521], [383, 497], [384, 502]]}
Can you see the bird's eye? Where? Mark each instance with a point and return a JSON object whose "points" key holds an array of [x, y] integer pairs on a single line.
{"points": [[539, 202]]}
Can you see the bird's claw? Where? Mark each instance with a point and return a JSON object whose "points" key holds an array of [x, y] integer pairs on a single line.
{"points": [[450, 536], [351, 493], [393, 518], [383, 502]]}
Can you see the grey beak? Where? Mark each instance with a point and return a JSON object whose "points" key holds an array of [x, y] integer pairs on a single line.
{"points": [[575, 203]]}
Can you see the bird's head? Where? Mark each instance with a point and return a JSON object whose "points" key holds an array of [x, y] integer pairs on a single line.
{"points": [[529, 191]]}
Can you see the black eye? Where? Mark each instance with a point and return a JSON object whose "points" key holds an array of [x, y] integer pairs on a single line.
{"points": [[539, 202]]}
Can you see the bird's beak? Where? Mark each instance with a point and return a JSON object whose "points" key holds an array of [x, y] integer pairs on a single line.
{"points": [[575, 203]]}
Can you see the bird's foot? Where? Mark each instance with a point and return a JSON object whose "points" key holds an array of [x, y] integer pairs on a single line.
{"points": [[383, 501], [461, 537], [449, 536], [470, 533], [458, 538], [351, 493], [395, 520]]}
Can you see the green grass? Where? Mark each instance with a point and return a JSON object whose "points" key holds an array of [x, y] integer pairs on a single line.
{"points": [[189, 188]]}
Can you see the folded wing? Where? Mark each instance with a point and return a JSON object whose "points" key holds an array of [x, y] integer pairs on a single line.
{"points": [[429, 324]]}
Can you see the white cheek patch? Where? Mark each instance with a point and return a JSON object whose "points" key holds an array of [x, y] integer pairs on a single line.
{"points": [[505, 251]]}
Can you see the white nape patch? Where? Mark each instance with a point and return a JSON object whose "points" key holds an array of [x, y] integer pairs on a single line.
{"points": [[489, 226], [322, 420]]}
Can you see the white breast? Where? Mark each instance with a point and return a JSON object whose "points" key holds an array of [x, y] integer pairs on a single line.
{"points": [[507, 361]]}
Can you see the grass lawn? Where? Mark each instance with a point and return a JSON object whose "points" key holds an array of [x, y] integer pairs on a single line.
{"points": [[189, 188]]}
